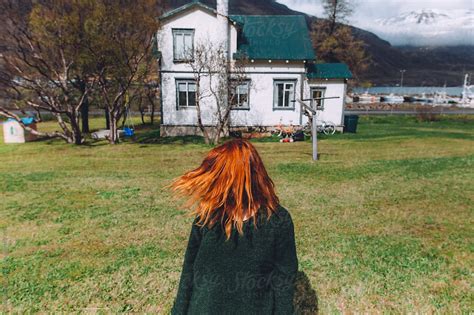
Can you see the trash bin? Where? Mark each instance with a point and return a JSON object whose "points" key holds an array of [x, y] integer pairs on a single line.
{"points": [[350, 123], [298, 136]]}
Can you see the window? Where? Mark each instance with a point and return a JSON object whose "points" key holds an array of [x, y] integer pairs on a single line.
{"points": [[317, 93], [186, 93], [240, 96], [183, 44], [284, 94]]}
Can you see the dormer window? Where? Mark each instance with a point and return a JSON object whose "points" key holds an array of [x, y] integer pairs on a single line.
{"points": [[183, 44]]}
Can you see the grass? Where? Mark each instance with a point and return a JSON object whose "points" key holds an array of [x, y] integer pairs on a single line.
{"points": [[384, 221]]}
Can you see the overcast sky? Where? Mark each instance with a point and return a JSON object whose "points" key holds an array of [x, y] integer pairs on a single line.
{"points": [[457, 29], [374, 9]]}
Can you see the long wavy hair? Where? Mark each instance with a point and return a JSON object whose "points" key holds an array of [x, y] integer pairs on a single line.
{"points": [[230, 185]]}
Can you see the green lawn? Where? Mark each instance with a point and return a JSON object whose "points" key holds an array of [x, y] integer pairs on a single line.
{"points": [[384, 222]]}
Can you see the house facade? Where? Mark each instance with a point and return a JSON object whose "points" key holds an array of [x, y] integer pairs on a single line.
{"points": [[280, 68]]}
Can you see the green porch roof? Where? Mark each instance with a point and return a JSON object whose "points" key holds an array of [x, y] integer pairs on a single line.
{"points": [[329, 71], [275, 37]]}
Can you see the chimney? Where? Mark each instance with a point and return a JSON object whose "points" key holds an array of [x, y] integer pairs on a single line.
{"points": [[223, 7], [223, 22]]}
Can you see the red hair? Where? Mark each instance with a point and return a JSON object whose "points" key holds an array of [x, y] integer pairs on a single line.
{"points": [[230, 184]]}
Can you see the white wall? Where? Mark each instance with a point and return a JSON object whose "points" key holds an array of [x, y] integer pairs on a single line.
{"points": [[333, 108], [261, 74], [260, 112], [204, 23]]}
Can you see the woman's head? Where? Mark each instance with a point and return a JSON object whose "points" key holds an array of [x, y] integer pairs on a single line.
{"points": [[230, 185]]}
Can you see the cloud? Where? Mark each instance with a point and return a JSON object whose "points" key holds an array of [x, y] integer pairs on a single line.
{"points": [[310, 7], [368, 14]]}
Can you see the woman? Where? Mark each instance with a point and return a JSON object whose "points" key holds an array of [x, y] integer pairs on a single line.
{"points": [[241, 254]]}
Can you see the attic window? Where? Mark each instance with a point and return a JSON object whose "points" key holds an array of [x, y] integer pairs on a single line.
{"points": [[183, 44]]}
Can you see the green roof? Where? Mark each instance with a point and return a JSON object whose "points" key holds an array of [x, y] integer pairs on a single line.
{"points": [[329, 71], [275, 37], [264, 37]]}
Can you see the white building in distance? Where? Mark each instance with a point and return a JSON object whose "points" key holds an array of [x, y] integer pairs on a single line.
{"points": [[280, 68]]}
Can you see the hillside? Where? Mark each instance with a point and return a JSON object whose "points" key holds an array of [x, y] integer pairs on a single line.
{"points": [[252, 7], [425, 65]]}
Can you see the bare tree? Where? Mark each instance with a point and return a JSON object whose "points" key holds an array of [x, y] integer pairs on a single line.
{"points": [[42, 63], [61, 52], [147, 101], [336, 11], [123, 33], [334, 41], [217, 77]]}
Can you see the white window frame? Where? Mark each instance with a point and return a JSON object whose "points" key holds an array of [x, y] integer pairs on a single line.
{"points": [[319, 103], [238, 105], [188, 82], [180, 34], [289, 86]]}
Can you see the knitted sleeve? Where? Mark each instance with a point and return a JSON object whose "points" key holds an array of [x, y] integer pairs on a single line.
{"points": [[185, 288], [285, 265]]}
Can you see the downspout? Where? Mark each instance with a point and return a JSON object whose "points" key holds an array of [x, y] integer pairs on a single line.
{"points": [[161, 92], [344, 102], [303, 75], [222, 8]]}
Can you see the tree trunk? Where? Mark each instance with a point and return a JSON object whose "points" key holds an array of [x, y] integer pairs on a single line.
{"points": [[142, 114], [113, 135], [76, 134], [207, 138], [85, 116], [85, 110], [153, 99], [67, 133], [107, 119], [152, 114], [217, 138]]}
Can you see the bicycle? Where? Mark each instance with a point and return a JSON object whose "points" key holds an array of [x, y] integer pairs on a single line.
{"points": [[326, 127], [282, 131]]}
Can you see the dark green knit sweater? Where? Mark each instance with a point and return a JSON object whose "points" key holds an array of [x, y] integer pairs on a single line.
{"points": [[248, 274]]}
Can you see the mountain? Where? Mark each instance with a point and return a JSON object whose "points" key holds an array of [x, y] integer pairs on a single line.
{"points": [[426, 65], [427, 27], [251, 7]]}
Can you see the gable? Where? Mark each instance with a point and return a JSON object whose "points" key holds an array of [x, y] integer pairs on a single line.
{"points": [[187, 7], [262, 37]]}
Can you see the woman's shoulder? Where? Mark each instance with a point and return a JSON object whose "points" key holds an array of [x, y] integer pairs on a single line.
{"points": [[281, 217]]}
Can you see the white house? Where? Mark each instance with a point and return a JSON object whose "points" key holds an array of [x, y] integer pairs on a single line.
{"points": [[281, 68]]}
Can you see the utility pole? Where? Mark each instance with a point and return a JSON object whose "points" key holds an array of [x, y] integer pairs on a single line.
{"points": [[401, 79], [314, 130]]}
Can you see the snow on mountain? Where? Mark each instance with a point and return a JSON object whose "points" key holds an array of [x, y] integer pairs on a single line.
{"points": [[427, 27], [426, 17]]}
